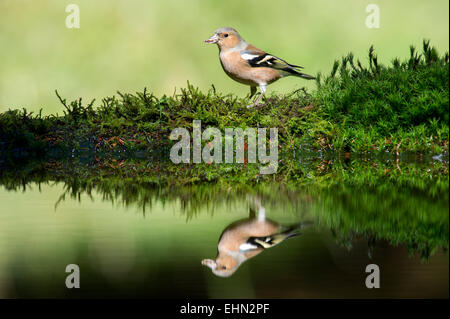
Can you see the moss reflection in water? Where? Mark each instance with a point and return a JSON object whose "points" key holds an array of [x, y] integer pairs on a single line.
{"points": [[402, 202]]}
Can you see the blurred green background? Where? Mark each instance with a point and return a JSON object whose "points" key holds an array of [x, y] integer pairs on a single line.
{"points": [[128, 45]]}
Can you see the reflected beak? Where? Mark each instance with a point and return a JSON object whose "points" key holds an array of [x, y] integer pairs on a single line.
{"points": [[209, 262], [213, 39]]}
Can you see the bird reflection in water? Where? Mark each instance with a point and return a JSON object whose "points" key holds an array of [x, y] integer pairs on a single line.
{"points": [[246, 238]]}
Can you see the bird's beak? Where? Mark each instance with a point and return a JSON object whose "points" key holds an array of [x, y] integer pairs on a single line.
{"points": [[209, 263], [213, 39]]}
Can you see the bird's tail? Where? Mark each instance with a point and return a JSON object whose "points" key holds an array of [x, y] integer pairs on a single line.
{"points": [[294, 70], [293, 231], [305, 76]]}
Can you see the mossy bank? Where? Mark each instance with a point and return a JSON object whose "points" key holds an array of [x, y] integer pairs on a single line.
{"points": [[361, 106]]}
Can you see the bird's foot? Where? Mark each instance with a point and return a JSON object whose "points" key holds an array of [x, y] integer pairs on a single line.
{"points": [[256, 103], [253, 105]]}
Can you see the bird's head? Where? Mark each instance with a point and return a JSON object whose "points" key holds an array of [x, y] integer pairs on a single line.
{"points": [[226, 38], [223, 266]]}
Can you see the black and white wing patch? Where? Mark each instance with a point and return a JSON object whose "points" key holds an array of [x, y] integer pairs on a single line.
{"points": [[257, 59], [267, 60], [254, 243]]}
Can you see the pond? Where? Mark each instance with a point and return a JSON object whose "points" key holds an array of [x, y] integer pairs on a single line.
{"points": [[275, 239]]}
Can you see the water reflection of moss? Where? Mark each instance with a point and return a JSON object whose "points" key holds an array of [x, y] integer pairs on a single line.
{"points": [[398, 215], [404, 203]]}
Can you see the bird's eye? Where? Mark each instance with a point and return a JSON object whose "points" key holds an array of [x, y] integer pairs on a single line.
{"points": [[223, 267], [226, 35]]}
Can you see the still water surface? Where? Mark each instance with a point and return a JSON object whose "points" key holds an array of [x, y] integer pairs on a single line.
{"points": [[124, 250]]}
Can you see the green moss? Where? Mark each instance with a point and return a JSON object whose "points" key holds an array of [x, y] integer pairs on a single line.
{"points": [[397, 108], [406, 104]]}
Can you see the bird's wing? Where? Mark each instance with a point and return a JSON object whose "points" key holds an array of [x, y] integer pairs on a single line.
{"points": [[248, 246], [258, 58], [267, 241], [272, 240]]}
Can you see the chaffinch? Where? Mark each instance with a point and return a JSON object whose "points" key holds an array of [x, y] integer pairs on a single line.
{"points": [[249, 65], [246, 238]]}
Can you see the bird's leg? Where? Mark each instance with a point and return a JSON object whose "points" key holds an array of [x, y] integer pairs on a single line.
{"points": [[255, 204], [262, 88], [261, 214], [252, 91]]}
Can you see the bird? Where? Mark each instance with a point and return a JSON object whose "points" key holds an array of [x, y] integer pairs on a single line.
{"points": [[245, 239], [249, 65]]}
